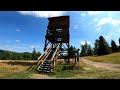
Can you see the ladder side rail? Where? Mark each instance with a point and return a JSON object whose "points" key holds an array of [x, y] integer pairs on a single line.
{"points": [[55, 52], [45, 52]]}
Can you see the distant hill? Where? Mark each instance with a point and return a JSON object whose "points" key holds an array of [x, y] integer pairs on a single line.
{"points": [[15, 54]]}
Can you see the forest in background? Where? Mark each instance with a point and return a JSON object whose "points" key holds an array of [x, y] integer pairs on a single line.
{"points": [[9, 55]]}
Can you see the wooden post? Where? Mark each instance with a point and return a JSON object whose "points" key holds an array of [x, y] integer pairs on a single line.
{"points": [[78, 56]]}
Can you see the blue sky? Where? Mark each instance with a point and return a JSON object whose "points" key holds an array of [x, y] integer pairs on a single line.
{"points": [[21, 31]]}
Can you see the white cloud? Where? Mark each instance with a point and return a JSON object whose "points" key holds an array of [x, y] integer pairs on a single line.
{"points": [[8, 41], [17, 40], [32, 46], [43, 14], [83, 14], [113, 32], [83, 42], [95, 19], [18, 30], [103, 21], [98, 28], [75, 26], [94, 12]]}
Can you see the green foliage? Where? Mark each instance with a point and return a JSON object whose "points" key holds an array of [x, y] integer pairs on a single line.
{"points": [[5, 58], [20, 57], [96, 46], [72, 51], [14, 58], [0, 56], [89, 51], [114, 47], [103, 48], [9, 55], [86, 50], [119, 44], [34, 55], [38, 54]]}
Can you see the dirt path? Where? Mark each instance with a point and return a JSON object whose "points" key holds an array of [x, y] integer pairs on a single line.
{"points": [[107, 66], [41, 76]]}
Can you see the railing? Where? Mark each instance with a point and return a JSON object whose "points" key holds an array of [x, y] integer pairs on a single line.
{"points": [[44, 55], [55, 54], [47, 52]]}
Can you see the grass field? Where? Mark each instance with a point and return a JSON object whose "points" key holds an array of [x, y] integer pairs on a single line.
{"points": [[111, 58], [15, 69], [85, 72]]}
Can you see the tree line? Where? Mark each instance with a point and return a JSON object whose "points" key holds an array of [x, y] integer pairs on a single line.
{"points": [[8, 55], [101, 47]]}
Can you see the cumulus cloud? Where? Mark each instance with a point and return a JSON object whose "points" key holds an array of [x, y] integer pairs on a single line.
{"points": [[98, 28], [31, 46], [43, 14], [17, 40], [34, 46], [94, 12], [113, 32], [8, 41], [75, 26], [83, 14], [95, 19], [18, 30], [83, 42], [103, 21]]}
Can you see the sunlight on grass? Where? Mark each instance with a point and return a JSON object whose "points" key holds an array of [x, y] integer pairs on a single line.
{"points": [[85, 72], [12, 69], [111, 58]]}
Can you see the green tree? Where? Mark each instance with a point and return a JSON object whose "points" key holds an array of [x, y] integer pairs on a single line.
{"points": [[96, 46], [114, 47], [28, 57], [38, 54], [82, 51], [86, 50], [20, 57], [5, 58], [25, 56], [34, 55], [72, 51], [119, 44], [14, 57], [1, 56], [89, 51], [9, 55], [104, 48]]}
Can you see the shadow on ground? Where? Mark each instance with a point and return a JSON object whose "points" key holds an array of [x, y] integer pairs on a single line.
{"points": [[21, 63]]}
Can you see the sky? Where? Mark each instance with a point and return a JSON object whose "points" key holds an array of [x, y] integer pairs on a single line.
{"points": [[21, 31]]}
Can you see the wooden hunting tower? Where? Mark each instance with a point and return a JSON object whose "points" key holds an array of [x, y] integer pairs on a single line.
{"points": [[58, 32]]}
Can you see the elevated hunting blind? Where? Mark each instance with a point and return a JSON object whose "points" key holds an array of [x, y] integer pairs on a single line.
{"points": [[56, 43], [58, 32]]}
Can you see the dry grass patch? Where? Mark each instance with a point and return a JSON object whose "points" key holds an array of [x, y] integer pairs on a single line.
{"points": [[14, 68], [110, 58]]}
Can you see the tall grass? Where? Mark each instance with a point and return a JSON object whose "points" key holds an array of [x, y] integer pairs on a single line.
{"points": [[15, 69]]}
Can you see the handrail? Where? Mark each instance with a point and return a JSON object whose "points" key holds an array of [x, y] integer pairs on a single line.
{"points": [[46, 57], [44, 52], [55, 52]]}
